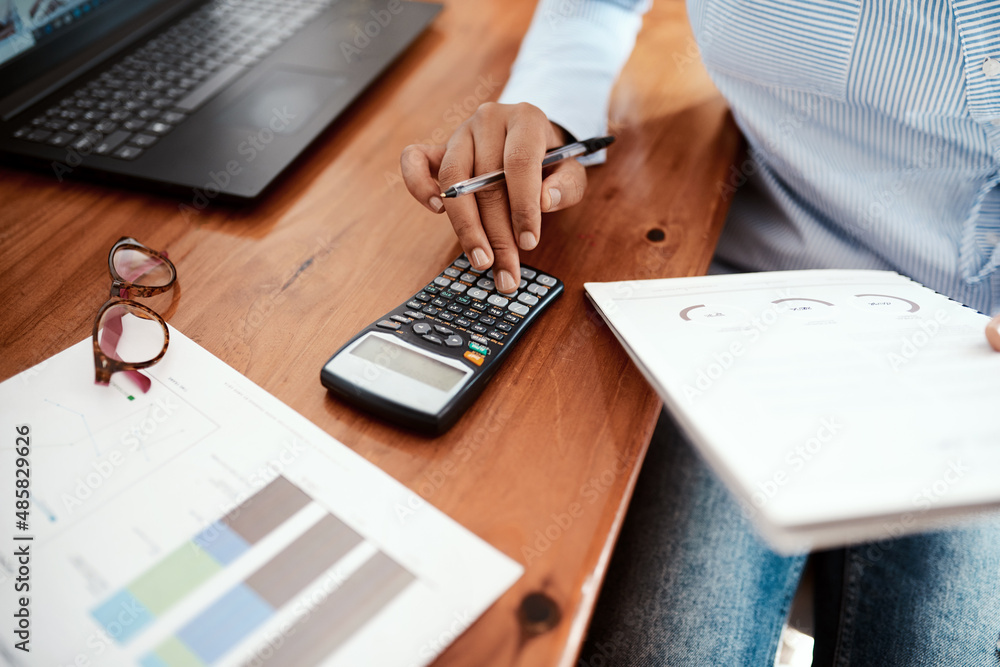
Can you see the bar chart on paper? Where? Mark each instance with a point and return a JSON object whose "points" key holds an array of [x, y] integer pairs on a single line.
{"points": [[309, 543], [206, 523]]}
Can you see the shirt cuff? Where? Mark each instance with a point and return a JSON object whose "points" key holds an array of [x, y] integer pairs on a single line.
{"points": [[569, 60]]}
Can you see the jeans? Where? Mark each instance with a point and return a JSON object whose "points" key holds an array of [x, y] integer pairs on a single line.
{"points": [[690, 583]]}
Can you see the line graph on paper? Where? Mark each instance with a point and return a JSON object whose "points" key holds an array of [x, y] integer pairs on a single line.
{"points": [[93, 445]]}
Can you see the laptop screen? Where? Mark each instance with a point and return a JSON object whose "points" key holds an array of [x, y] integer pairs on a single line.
{"points": [[28, 23], [46, 43]]}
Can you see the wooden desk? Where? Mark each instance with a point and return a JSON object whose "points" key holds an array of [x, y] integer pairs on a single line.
{"points": [[544, 464]]}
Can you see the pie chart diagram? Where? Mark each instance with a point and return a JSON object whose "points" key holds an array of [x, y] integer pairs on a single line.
{"points": [[804, 306], [713, 314], [885, 303]]}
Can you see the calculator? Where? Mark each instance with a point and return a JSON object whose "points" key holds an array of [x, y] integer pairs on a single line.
{"points": [[426, 361]]}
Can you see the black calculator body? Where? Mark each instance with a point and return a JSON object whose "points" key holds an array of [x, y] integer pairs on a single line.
{"points": [[426, 361]]}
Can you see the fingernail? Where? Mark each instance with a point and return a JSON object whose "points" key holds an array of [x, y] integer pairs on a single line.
{"points": [[505, 281], [437, 204], [993, 333], [554, 198], [479, 258], [527, 240]]}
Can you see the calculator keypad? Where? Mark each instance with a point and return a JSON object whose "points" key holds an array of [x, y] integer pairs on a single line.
{"points": [[462, 308]]}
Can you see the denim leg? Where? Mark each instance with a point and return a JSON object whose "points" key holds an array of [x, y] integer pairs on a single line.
{"points": [[689, 583], [931, 599]]}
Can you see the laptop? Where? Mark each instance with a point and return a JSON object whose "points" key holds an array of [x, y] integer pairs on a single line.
{"points": [[210, 100]]}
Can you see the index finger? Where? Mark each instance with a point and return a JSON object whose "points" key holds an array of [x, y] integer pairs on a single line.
{"points": [[457, 165]]}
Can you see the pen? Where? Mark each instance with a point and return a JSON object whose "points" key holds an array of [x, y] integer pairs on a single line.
{"points": [[575, 149]]}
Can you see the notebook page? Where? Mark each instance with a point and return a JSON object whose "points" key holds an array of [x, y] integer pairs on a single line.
{"points": [[822, 395]]}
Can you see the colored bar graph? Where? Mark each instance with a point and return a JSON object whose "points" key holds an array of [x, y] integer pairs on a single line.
{"points": [[315, 552], [233, 616], [246, 606], [129, 611], [220, 627], [221, 542], [267, 509], [172, 653], [122, 616], [173, 577], [363, 595]]}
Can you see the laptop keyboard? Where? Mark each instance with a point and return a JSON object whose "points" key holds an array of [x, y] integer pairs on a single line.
{"points": [[130, 106]]}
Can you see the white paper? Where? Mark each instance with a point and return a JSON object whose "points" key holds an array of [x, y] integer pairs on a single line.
{"points": [[121, 480], [838, 405]]}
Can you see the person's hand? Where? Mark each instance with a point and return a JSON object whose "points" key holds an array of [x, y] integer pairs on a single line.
{"points": [[493, 223]]}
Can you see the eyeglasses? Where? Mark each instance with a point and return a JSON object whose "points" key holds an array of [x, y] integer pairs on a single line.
{"points": [[129, 335]]}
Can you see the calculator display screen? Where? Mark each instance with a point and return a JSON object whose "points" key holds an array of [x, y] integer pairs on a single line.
{"points": [[406, 362]]}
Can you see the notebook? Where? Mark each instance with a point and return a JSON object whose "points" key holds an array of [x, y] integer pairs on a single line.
{"points": [[839, 406]]}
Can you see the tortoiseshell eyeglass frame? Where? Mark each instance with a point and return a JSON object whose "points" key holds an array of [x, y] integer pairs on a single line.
{"points": [[122, 291]]}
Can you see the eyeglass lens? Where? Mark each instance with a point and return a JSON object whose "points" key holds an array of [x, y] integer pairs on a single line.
{"points": [[141, 268], [128, 333]]}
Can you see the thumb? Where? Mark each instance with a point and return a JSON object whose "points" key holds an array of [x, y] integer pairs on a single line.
{"points": [[564, 187], [419, 164]]}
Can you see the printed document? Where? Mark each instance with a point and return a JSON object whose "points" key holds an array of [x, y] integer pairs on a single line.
{"points": [[207, 523], [839, 406]]}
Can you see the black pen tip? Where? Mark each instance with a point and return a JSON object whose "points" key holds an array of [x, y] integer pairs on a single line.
{"points": [[598, 143]]}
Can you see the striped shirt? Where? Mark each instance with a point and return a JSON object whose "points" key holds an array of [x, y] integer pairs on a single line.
{"points": [[873, 125]]}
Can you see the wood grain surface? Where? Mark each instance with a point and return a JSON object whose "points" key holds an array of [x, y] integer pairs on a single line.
{"points": [[543, 465]]}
